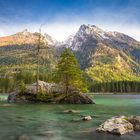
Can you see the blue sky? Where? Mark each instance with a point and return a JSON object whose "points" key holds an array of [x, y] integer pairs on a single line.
{"points": [[61, 18]]}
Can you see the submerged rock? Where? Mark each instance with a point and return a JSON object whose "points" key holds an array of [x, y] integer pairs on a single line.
{"points": [[70, 111], [48, 134], [23, 137], [6, 105], [116, 125]]}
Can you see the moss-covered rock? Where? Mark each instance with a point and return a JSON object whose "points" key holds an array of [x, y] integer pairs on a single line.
{"points": [[72, 98], [30, 97], [75, 98]]}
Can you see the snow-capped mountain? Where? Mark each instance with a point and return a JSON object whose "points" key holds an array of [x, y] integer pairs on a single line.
{"points": [[91, 31], [93, 45]]}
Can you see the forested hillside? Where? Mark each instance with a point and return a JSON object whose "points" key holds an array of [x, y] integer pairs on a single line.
{"points": [[110, 60]]}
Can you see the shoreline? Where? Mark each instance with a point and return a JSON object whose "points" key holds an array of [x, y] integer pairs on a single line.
{"points": [[98, 93], [111, 93]]}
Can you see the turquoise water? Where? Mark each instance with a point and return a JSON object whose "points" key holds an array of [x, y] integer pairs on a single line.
{"points": [[48, 122]]}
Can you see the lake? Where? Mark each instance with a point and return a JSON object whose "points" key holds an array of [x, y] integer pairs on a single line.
{"points": [[48, 122]]}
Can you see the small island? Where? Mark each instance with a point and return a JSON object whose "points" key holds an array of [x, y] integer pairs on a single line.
{"points": [[68, 89]]}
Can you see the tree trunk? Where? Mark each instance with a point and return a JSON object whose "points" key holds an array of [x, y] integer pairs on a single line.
{"points": [[38, 48], [66, 84]]}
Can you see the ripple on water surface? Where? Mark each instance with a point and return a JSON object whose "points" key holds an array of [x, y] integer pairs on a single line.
{"points": [[42, 121]]}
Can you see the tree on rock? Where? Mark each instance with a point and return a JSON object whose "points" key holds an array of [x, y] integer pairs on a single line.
{"points": [[69, 73]]}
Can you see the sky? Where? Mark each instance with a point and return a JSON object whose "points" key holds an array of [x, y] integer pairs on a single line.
{"points": [[61, 18]]}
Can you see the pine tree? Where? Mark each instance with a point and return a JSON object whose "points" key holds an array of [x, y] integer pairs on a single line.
{"points": [[69, 73]]}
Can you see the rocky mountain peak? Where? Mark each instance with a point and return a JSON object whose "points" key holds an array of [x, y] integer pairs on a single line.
{"points": [[85, 32], [25, 32], [50, 40], [89, 29]]}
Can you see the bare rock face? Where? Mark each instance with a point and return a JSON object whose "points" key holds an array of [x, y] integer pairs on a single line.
{"points": [[116, 125], [44, 87]]}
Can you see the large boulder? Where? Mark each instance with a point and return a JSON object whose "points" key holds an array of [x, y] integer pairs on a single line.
{"points": [[49, 98], [116, 125], [135, 120], [12, 97], [75, 98], [17, 97]]}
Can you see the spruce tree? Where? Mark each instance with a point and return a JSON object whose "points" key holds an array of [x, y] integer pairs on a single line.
{"points": [[69, 73]]}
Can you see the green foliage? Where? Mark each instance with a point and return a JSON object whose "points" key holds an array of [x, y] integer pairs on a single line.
{"points": [[69, 73], [112, 78], [116, 87], [46, 74], [108, 73], [26, 76], [22, 86], [6, 84], [46, 97]]}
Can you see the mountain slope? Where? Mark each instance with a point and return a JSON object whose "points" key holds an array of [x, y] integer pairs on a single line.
{"points": [[102, 52], [104, 56], [21, 48]]}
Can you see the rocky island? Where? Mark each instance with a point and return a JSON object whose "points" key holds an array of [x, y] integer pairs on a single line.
{"points": [[69, 86], [49, 93]]}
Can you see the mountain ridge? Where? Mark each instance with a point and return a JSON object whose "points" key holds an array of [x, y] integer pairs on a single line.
{"points": [[95, 49]]}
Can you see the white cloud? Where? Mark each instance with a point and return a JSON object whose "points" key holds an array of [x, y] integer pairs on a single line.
{"points": [[130, 30], [61, 30], [64, 24]]}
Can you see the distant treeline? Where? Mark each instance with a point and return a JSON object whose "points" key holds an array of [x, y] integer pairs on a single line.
{"points": [[120, 86], [11, 83]]}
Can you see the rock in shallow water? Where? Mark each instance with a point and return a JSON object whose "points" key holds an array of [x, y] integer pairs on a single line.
{"points": [[23, 137], [72, 98], [116, 125], [135, 121], [87, 118], [76, 98], [70, 111], [48, 134], [12, 97]]}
